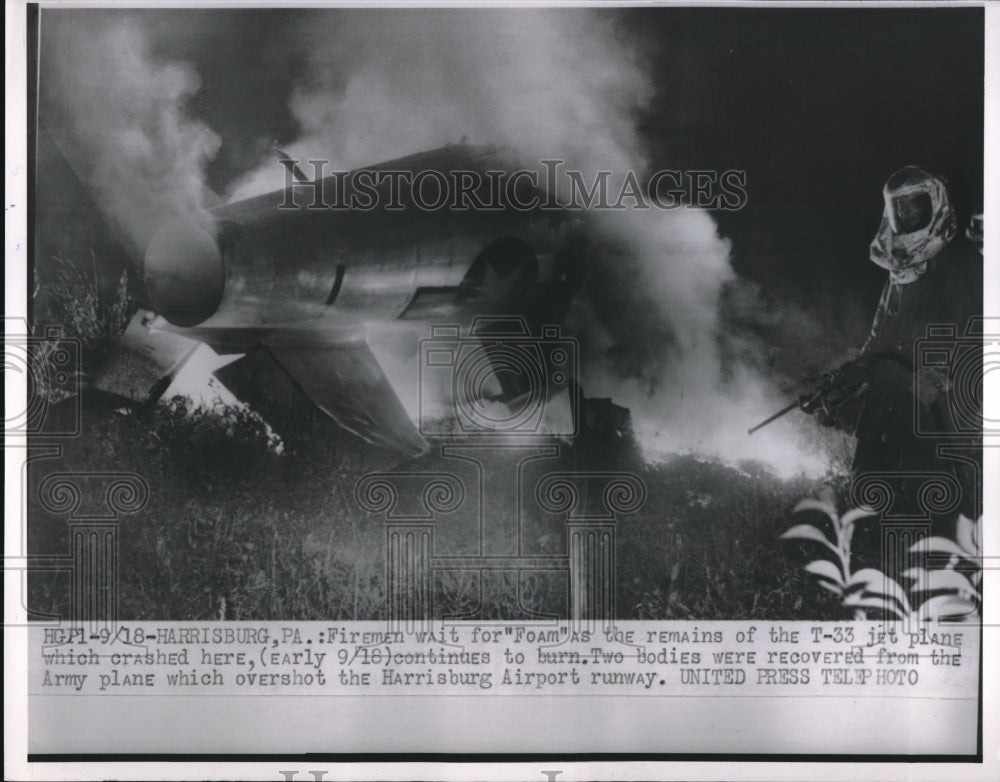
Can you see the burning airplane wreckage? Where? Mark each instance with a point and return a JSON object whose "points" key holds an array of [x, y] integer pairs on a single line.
{"points": [[429, 295], [398, 323], [456, 296]]}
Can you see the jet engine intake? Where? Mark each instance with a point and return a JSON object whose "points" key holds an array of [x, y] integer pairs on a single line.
{"points": [[184, 273]]}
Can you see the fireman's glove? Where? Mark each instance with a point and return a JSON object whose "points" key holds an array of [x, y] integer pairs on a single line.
{"points": [[809, 403]]}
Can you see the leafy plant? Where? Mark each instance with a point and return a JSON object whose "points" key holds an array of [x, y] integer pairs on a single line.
{"points": [[951, 592], [72, 297], [955, 591], [95, 317], [857, 589]]}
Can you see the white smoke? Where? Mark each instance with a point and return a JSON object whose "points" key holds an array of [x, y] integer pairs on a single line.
{"points": [[120, 117], [381, 84], [662, 355], [387, 83], [550, 83]]}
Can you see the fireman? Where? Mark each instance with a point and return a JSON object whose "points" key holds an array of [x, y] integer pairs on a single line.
{"points": [[933, 280]]}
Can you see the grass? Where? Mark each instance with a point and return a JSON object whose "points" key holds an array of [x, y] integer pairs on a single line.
{"points": [[233, 529], [92, 314]]}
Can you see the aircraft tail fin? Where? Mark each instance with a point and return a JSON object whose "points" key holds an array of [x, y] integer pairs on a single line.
{"points": [[291, 165]]}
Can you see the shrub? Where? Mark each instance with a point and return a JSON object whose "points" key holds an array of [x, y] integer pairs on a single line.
{"points": [[952, 592]]}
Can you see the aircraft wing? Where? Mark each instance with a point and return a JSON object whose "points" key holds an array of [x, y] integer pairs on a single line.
{"points": [[345, 381], [336, 371], [144, 361]]}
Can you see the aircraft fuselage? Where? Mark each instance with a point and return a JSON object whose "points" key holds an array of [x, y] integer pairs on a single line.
{"points": [[285, 261]]}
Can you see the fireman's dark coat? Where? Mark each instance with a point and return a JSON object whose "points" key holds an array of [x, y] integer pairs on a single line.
{"points": [[948, 294]]}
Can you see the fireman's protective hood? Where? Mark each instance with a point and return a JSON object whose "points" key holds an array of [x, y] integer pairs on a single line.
{"points": [[905, 252]]}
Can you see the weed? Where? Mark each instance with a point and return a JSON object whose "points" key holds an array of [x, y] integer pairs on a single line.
{"points": [[235, 529], [951, 592], [73, 299], [954, 591]]}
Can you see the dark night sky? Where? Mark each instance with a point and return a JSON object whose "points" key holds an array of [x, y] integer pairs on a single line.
{"points": [[818, 106]]}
